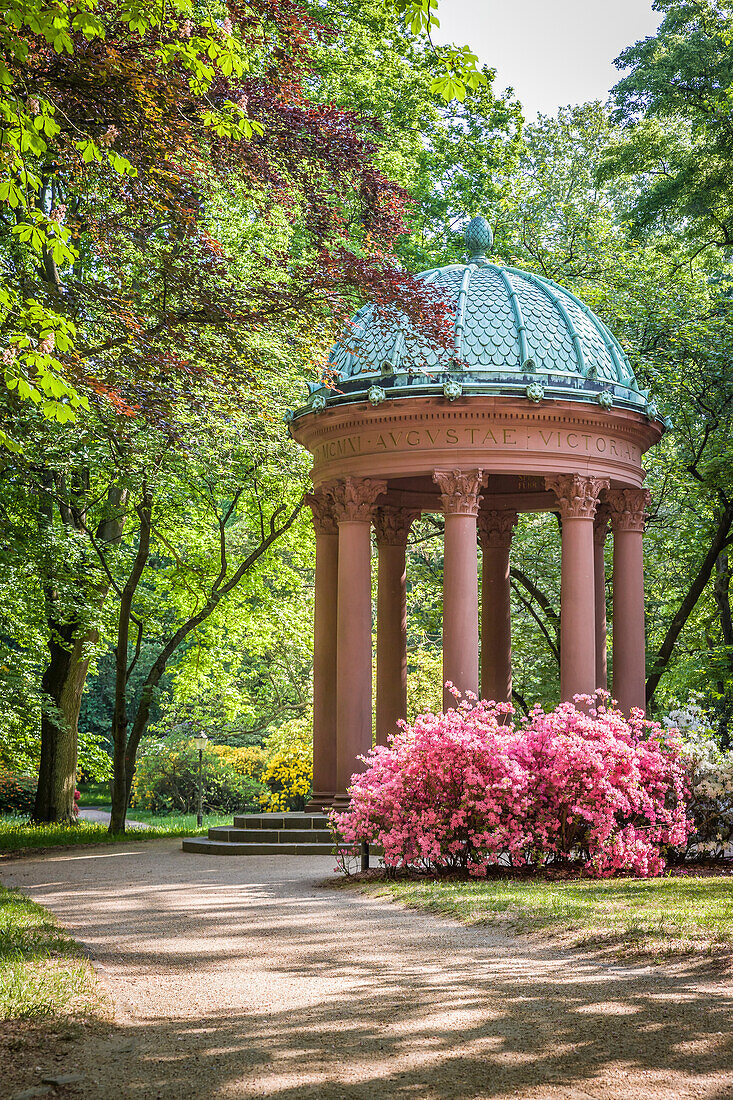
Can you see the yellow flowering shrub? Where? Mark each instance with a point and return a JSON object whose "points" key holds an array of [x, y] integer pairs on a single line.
{"points": [[249, 760], [289, 772]]}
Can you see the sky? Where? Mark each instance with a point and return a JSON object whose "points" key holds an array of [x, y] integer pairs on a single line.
{"points": [[552, 52]]}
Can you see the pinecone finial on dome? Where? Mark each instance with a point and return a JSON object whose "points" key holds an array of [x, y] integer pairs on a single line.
{"points": [[479, 238]]}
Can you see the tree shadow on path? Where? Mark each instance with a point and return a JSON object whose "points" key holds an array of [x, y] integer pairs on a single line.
{"points": [[250, 981]]}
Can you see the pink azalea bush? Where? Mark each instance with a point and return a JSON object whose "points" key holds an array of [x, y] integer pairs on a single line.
{"points": [[470, 788]]}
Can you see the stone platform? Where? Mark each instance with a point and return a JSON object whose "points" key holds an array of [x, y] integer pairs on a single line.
{"points": [[269, 834]]}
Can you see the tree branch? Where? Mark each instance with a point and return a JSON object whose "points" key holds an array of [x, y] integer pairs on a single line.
{"points": [[687, 606]]}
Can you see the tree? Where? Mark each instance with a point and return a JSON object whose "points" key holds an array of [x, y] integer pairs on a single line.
{"points": [[161, 147], [452, 158], [677, 106], [240, 497]]}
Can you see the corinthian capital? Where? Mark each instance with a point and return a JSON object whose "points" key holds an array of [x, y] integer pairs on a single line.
{"points": [[496, 527], [321, 507], [627, 508], [393, 525], [459, 491], [577, 494], [354, 497]]}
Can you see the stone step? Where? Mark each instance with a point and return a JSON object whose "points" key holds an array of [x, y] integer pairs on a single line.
{"points": [[202, 846], [281, 821], [270, 836]]}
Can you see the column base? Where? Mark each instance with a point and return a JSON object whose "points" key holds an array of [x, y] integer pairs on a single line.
{"points": [[319, 803], [341, 803]]}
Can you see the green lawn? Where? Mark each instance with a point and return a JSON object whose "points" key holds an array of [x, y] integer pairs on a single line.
{"points": [[174, 821], [16, 833], [43, 972], [94, 794], [658, 917]]}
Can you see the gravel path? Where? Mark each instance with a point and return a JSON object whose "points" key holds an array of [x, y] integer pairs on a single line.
{"points": [[88, 813], [242, 977]]}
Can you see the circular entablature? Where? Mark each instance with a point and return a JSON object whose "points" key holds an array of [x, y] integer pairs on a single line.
{"points": [[499, 436]]}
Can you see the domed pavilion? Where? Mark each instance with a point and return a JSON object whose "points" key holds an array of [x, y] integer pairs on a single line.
{"points": [[534, 409]]}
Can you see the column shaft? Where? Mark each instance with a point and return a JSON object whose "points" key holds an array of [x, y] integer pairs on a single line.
{"points": [[599, 562], [629, 644], [460, 497], [353, 502], [577, 497], [495, 530], [324, 652], [392, 526], [577, 605], [354, 639]]}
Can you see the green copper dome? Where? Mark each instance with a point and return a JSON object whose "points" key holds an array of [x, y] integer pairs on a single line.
{"points": [[514, 333]]}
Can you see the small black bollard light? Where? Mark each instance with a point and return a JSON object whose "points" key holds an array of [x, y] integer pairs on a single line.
{"points": [[200, 741], [364, 855]]}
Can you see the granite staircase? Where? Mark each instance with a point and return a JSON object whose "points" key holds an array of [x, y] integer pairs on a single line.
{"points": [[267, 834]]}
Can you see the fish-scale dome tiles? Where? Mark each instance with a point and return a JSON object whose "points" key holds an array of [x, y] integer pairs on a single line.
{"points": [[514, 332]]}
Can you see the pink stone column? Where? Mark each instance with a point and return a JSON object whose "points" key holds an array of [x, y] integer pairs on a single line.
{"points": [[324, 651], [629, 645], [600, 530], [392, 527], [459, 491], [353, 502], [577, 498], [495, 531]]}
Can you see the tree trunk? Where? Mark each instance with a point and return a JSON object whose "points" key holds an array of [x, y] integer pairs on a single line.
{"points": [[721, 591], [120, 783], [61, 688], [66, 672]]}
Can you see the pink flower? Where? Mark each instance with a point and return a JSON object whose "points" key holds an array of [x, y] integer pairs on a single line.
{"points": [[464, 790], [109, 136]]}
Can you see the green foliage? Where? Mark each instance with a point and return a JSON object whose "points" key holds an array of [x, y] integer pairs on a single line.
{"points": [[458, 71], [94, 794], [97, 705], [34, 134], [250, 664], [424, 682], [452, 158], [249, 761], [19, 751], [94, 761], [277, 776], [677, 101], [16, 794], [166, 781]]}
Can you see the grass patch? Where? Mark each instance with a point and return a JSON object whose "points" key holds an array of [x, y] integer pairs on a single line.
{"points": [[94, 794], [178, 821], [659, 917], [43, 971], [17, 834]]}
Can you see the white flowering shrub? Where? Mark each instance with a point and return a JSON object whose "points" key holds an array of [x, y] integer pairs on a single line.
{"points": [[711, 776]]}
